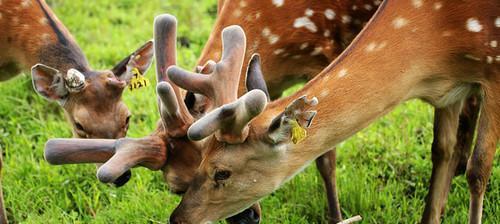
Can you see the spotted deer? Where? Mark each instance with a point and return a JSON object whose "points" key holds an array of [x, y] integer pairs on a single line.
{"points": [[296, 47], [162, 148], [440, 51], [32, 35]]}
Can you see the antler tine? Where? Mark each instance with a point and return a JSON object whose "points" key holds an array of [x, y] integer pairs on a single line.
{"points": [[174, 113], [221, 85], [230, 121], [118, 156]]}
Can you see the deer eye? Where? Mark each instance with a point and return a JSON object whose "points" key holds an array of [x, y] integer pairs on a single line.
{"points": [[79, 127], [222, 175], [127, 121]]}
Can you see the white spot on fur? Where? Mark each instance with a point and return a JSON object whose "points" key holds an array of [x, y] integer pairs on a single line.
{"points": [[26, 3], [497, 22], [473, 25], [342, 73], [237, 13], [266, 32], [306, 23], [489, 59], [273, 38], [243, 4], [493, 43], [375, 47], [304, 46], [329, 14], [472, 57], [324, 93], [354, 7], [497, 58], [368, 7], [278, 3], [309, 12], [437, 5], [370, 47], [417, 3], [377, 2], [43, 21], [279, 51], [317, 51], [381, 45], [346, 19], [399, 22], [326, 33]]}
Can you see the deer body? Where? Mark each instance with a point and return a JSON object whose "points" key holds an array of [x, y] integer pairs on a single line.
{"points": [[296, 39], [438, 51], [33, 37], [32, 34]]}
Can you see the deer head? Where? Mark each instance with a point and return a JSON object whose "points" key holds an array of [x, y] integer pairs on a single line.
{"points": [[168, 148], [92, 99], [233, 131]]}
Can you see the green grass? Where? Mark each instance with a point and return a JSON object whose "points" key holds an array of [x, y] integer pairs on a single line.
{"points": [[383, 171]]}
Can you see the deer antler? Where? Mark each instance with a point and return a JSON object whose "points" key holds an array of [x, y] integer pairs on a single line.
{"points": [[118, 156], [174, 113], [221, 85]]}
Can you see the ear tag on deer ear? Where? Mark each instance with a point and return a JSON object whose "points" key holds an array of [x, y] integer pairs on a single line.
{"points": [[298, 132], [138, 80]]}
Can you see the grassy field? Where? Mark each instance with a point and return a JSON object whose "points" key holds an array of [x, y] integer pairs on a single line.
{"points": [[383, 171]]}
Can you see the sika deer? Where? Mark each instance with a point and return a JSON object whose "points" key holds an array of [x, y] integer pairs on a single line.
{"points": [[378, 71], [160, 150], [32, 34]]}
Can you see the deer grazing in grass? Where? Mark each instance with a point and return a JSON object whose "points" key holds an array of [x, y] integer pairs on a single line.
{"points": [[183, 156], [32, 35], [159, 150], [442, 52]]}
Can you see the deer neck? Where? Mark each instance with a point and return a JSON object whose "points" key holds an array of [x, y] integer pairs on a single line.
{"points": [[399, 56], [296, 39], [33, 34]]}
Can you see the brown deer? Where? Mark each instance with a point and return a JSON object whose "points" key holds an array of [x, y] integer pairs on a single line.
{"points": [[297, 46], [180, 170], [32, 34], [336, 24], [442, 52], [162, 148]]}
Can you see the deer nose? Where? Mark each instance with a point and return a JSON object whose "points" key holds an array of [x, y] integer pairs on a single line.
{"points": [[248, 216]]}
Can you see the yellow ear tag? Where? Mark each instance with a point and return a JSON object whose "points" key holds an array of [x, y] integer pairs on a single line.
{"points": [[298, 132], [138, 80]]}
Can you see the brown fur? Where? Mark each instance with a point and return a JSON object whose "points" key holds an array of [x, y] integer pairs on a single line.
{"points": [[419, 60], [31, 33]]}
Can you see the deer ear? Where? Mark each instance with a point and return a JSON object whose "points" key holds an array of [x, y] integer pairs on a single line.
{"points": [[48, 82], [140, 59], [255, 78], [296, 116]]}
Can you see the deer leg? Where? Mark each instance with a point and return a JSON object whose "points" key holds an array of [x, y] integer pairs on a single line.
{"points": [[3, 212], [326, 164], [481, 161], [445, 136], [465, 136]]}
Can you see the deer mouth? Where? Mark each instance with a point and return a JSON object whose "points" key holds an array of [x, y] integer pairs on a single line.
{"points": [[123, 179], [248, 216]]}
